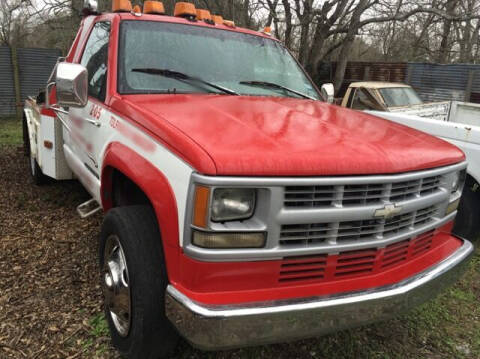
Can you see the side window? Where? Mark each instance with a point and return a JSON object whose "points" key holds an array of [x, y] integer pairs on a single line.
{"points": [[95, 59], [362, 101]]}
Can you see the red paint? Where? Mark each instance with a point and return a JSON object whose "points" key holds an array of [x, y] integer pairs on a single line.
{"points": [[165, 133], [155, 185], [48, 112], [267, 136], [96, 112], [141, 140], [240, 282]]}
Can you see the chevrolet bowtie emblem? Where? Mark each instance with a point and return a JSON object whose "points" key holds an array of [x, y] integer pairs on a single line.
{"points": [[389, 211]]}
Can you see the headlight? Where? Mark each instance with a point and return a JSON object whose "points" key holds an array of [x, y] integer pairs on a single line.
{"points": [[230, 204]]}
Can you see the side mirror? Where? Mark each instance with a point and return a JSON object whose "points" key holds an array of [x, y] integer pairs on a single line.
{"points": [[328, 92], [71, 84]]}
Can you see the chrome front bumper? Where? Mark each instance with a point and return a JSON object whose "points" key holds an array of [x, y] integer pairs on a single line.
{"points": [[229, 326]]}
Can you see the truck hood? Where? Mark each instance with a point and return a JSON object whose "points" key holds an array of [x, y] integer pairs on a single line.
{"points": [[269, 136]]}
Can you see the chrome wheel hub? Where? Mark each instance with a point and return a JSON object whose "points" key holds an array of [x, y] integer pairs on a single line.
{"points": [[116, 287]]}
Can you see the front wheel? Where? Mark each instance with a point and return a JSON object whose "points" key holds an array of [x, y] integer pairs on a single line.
{"points": [[134, 281], [467, 224]]}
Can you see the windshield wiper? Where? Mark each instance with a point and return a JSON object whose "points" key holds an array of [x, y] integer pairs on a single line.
{"points": [[183, 77], [276, 86]]}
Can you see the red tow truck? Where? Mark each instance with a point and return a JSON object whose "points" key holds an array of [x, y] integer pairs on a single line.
{"points": [[240, 208]]}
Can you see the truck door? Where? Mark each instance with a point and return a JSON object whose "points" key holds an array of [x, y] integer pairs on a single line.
{"points": [[89, 125]]}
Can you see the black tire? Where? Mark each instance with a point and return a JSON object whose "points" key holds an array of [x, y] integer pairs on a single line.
{"points": [[26, 139], [467, 223], [150, 335]]}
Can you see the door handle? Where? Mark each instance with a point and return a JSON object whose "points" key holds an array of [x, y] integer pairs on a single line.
{"points": [[93, 122]]}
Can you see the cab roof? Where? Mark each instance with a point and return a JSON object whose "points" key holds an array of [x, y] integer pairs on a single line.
{"points": [[378, 84], [181, 20]]}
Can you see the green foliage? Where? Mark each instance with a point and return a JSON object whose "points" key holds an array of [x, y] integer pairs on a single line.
{"points": [[10, 131], [99, 326]]}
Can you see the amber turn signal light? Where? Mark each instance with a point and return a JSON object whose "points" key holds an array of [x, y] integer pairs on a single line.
{"points": [[153, 7], [229, 240], [200, 209], [121, 6]]}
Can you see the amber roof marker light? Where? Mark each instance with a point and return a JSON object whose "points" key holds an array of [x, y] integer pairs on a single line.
{"points": [[186, 10], [217, 19], [137, 9], [153, 7], [204, 15], [121, 6]]}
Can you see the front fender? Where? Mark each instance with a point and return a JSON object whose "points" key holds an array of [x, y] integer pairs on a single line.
{"points": [[156, 187]]}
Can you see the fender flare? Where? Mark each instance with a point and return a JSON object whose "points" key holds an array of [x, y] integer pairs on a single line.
{"points": [[155, 186]]}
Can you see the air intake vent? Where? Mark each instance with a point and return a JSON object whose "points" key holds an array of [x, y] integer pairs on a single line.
{"points": [[303, 268], [353, 264]]}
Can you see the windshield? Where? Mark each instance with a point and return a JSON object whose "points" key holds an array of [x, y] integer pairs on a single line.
{"points": [[400, 96], [224, 58]]}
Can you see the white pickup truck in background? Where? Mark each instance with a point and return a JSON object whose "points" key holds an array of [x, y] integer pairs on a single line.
{"points": [[454, 121]]}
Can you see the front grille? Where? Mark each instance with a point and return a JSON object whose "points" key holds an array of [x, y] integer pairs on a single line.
{"points": [[353, 264], [359, 194], [354, 231]]}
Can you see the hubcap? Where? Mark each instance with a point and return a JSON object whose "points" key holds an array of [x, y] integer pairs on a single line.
{"points": [[116, 285]]}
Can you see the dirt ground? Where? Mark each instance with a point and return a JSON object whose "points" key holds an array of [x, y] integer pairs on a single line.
{"points": [[51, 302]]}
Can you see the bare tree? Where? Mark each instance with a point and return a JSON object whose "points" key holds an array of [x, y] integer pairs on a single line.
{"points": [[13, 21]]}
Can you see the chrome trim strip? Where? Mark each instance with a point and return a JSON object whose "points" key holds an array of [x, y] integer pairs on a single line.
{"points": [[227, 326], [245, 255], [323, 180], [313, 215]]}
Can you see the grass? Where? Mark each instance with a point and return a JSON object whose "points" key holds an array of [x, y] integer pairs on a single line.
{"points": [[10, 131], [99, 326]]}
